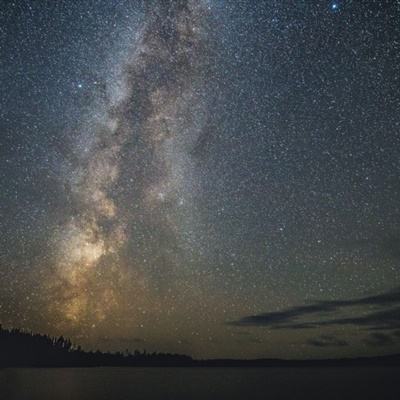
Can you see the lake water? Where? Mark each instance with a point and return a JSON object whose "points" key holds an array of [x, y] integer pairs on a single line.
{"points": [[200, 383]]}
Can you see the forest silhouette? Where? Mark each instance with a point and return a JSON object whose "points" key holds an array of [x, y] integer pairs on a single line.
{"points": [[25, 349], [19, 348]]}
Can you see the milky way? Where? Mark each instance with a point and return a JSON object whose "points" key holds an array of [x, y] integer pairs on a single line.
{"points": [[206, 177], [154, 103]]}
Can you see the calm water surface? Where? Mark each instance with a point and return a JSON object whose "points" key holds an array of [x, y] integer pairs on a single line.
{"points": [[200, 383]]}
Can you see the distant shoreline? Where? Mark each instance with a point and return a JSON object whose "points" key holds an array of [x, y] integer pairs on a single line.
{"points": [[20, 349], [382, 361]]}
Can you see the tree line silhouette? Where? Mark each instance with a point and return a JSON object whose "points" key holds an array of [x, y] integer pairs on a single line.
{"points": [[25, 349], [19, 348]]}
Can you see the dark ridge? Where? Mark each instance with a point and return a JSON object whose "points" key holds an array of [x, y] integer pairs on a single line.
{"points": [[25, 349]]}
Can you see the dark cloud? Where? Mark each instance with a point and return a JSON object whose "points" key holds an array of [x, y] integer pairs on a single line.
{"points": [[379, 320], [327, 341], [280, 317], [379, 339], [389, 318], [390, 297]]}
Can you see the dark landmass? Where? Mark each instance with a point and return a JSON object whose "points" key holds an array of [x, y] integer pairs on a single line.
{"points": [[25, 349]]}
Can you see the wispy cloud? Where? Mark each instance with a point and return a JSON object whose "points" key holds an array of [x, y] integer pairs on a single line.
{"points": [[381, 312], [327, 341], [379, 339]]}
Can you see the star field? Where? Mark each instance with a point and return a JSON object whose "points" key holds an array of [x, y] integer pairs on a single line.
{"points": [[216, 178]]}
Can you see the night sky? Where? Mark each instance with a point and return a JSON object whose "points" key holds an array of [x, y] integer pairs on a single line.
{"points": [[216, 178]]}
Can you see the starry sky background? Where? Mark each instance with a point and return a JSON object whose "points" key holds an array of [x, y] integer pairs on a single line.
{"points": [[216, 178]]}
